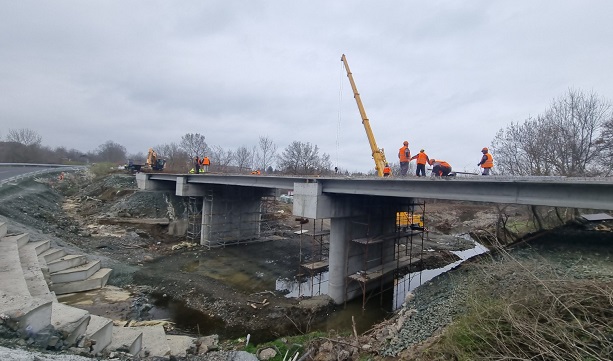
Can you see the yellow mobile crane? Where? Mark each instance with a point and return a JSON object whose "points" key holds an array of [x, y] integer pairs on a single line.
{"points": [[403, 219], [377, 153]]}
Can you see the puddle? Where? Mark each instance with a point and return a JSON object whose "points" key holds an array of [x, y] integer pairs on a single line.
{"points": [[110, 301], [251, 269], [377, 308], [248, 268], [186, 319], [415, 279], [313, 286]]}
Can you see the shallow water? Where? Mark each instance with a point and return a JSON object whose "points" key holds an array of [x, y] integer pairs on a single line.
{"points": [[250, 269]]}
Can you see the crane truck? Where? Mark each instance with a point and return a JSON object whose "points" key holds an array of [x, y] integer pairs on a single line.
{"points": [[377, 153], [403, 219]]}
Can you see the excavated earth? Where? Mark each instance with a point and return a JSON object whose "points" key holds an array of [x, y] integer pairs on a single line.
{"points": [[109, 219]]}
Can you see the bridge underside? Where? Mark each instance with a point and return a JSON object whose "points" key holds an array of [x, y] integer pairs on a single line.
{"points": [[365, 242]]}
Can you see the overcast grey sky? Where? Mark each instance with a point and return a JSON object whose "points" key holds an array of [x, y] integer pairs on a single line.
{"points": [[444, 75]]}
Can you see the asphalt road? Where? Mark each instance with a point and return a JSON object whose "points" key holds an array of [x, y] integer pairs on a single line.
{"points": [[9, 172]]}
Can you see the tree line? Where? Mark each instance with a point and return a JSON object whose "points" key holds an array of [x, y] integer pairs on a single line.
{"points": [[298, 158], [572, 137]]}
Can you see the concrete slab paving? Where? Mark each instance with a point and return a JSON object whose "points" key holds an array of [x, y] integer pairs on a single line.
{"points": [[33, 274], [65, 262], [70, 321], [154, 341], [51, 255], [78, 273], [179, 344], [126, 339], [98, 335], [24, 313], [11, 273], [97, 280]]}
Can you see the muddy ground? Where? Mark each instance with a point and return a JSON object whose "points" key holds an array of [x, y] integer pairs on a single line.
{"points": [[93, 216]]}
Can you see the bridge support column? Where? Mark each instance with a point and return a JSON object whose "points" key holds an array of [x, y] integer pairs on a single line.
{"points": [[339, 248], [351, 218], [231, 215]]}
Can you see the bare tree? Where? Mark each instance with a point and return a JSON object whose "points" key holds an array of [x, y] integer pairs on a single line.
{"points": [[243, 159], [221, 159], [266, 153], [303, 158], [111, 152], [24, 136], [605, 145], [565, 140], [194, 144], [177, 159]]}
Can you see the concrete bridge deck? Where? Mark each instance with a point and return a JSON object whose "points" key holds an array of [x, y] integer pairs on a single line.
{"points": [[590, 193]]}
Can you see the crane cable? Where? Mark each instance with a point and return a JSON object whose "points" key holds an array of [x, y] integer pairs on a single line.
{"points": [[340, 100]]}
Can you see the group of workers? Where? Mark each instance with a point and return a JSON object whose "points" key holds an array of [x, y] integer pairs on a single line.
{"points": [[440, 168], [201, 165]]}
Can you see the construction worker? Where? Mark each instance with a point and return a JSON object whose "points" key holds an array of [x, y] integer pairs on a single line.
{"points": [[404, 155], [387, 171], [440, 168], [196, 164], [422, 159], [256, 172], [487, 161], [206, 162]]}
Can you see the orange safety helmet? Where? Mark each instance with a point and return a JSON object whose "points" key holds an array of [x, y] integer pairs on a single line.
{"points": [[406, 142], [484, 149]]}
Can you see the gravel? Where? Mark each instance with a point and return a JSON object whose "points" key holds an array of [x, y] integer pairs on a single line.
{"points": [[566, 252]]}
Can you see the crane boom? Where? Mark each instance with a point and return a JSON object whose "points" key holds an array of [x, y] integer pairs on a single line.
{"points": [[377, 154]]}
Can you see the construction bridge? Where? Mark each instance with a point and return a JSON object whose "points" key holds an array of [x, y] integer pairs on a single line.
{"points": [[364, 242]]}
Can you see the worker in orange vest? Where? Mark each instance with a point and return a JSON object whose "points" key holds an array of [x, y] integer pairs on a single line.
{"points": [[440, 168], [206, 162], [387, 171], [487, 161], [422, 159], [404, 155]]}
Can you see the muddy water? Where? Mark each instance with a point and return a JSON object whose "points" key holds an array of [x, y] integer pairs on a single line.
{"points": [[376, 309], [253, 269]]}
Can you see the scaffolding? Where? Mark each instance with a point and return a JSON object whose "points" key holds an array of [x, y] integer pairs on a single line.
{"points": [[386, 269], [231, 224], [194, 219], [315, 263]]}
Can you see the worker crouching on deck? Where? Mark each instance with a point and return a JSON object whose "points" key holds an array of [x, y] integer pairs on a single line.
{"points": [[440, 168], [387, 171]]}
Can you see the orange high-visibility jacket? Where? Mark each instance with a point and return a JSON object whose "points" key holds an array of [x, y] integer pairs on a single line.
{"points": [[402, 154], [422, 158], [206, 161], [489, 162], [444, 164]]}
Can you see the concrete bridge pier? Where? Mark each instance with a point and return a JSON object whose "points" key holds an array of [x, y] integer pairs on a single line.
{"points": [[362, 233], [228, 214], [231, 214]]}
